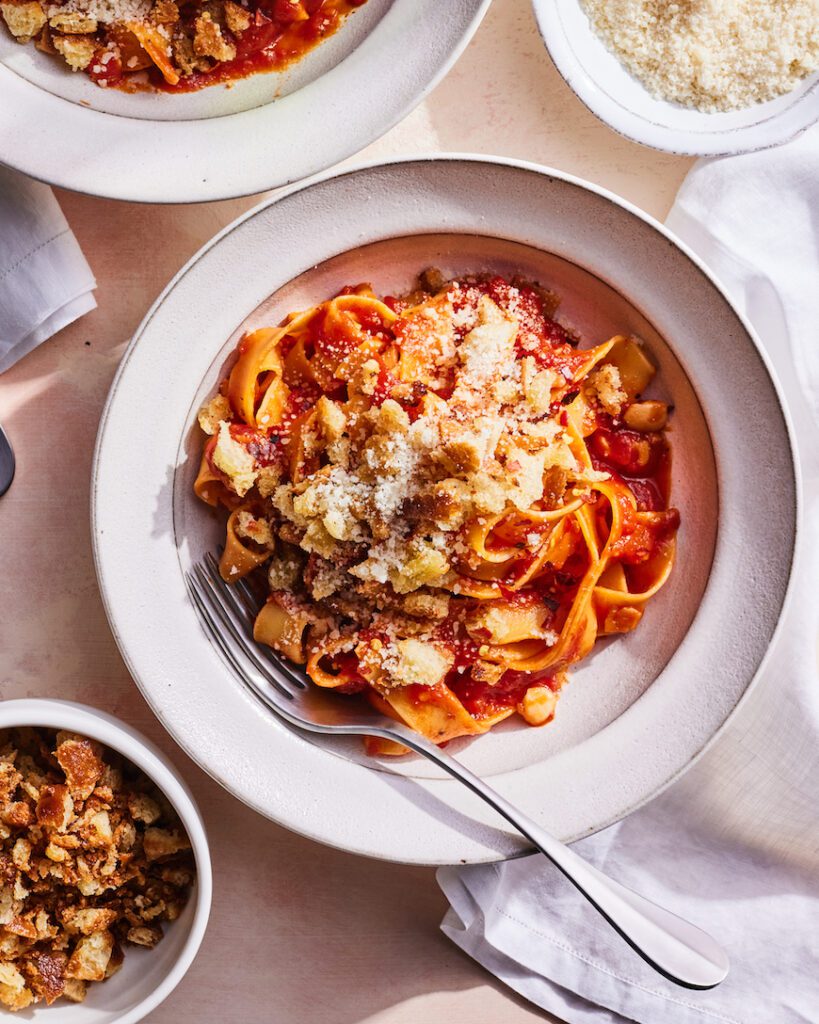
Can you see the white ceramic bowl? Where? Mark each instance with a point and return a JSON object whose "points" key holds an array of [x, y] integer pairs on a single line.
{"points": [[641, 708], [616, 97], [235, 139], [147, 976]]}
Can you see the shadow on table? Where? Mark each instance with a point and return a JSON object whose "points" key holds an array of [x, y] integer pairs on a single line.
{"points": [[476, 112], [303, 934]]}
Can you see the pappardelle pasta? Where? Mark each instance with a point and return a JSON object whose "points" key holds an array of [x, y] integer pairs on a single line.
{"points": [[447, 499]]}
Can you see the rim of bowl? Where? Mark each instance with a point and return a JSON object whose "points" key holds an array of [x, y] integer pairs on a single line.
{"points": [[53, 713]]}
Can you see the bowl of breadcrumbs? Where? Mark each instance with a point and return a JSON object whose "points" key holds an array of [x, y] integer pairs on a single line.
{"points": [[105, 878], [697, 77]]}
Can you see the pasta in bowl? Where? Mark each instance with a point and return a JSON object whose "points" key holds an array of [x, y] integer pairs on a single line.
{"points": [[159, 45], [446, 500], [641, 706]]}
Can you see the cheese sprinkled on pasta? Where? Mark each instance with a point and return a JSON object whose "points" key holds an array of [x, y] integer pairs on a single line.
{"points": [[443, 494]]}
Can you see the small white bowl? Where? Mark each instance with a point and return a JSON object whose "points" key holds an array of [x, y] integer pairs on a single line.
{"points": [[616, 97], [147, 976]]}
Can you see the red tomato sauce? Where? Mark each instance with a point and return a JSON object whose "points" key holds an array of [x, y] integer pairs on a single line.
{"points": [[345, 665], [273, 42], [277, 37], [483, 701], [641, 461]]}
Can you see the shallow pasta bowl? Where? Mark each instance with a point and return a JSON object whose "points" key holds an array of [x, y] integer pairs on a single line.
{"points": [[637, 712], [236, 139], [602, 83]]}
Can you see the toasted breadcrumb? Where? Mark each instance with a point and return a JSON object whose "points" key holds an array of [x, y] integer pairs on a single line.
{"points": [[209, 41], [234, 460], [24, 20], [77, 50], [80, 874]]}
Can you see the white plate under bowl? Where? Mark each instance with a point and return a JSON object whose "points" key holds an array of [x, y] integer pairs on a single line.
{"points": [[616, 97], [228, 140], [641, 708]]}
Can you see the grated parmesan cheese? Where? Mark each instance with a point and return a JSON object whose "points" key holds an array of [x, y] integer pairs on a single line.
{"points": [[712, 54], [606, 384], [487, 351], [105, 11]]}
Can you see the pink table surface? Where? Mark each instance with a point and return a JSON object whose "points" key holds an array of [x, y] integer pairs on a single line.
{"points": [[299, 932]]}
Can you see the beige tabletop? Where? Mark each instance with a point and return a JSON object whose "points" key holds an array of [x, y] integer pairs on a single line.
{"points": [[299, 934]]}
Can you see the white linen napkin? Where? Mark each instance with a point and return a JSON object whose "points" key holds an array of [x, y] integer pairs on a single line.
{"points": [[734, 845], [45, 281]]}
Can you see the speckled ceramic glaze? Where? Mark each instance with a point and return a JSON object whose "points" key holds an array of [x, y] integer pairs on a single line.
{"points": [[616, 97], [637, 712], [229, 140]]}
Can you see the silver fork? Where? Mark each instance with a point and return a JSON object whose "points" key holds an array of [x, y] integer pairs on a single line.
{"points": [[677, 949], [6, 462]]}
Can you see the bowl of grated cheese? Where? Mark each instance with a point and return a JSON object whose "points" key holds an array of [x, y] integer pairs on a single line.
{"points": [[695, 77]]}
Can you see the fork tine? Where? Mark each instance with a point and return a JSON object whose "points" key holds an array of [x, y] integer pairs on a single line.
{"points": [[216, 634], [248, 608], [266, 653], [221, 597], [243, 598], [241, 671], [292, 674], [218, 603], [242, 607], [247, 597]]}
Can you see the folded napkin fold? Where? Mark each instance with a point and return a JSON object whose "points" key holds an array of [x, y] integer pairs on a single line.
{"points": [[734, 845], [45, 281]]}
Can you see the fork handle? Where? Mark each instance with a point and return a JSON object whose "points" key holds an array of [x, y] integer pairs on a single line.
{"points": [[679, 950]]}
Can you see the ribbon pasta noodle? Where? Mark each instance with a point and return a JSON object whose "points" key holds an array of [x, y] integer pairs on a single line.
{"points": [[446, 501]]}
